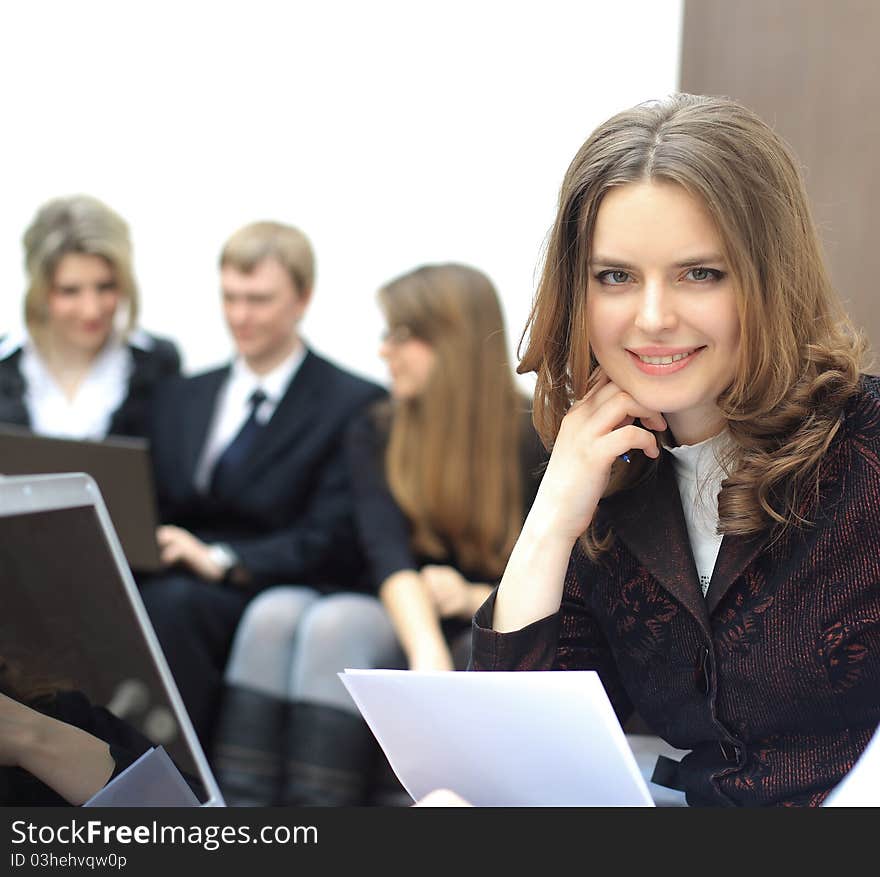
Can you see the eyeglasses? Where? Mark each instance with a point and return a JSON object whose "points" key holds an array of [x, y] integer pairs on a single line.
{"points": [[398, 335]]}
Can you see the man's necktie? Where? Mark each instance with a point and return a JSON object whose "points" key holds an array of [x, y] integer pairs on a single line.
{"points": [[231, 460]]}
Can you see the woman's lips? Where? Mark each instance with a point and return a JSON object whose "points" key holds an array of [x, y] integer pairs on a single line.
{"points": [[668, 362]]}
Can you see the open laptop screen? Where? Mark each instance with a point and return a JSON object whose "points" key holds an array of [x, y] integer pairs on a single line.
{"points": [[72, 619]]}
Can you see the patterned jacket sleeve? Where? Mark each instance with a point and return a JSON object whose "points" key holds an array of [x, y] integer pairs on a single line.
{"points": [[568, 640]]}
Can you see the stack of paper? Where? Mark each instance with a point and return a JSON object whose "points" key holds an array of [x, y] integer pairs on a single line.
{"points": [[527, 739]]}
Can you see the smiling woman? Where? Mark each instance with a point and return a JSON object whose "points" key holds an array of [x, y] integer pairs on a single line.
{"points": [[83, 370], [722, 578], [665, 327]]}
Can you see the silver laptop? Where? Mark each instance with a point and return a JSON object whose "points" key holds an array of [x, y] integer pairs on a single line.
{"points": [[73, 619], [120, 466]]}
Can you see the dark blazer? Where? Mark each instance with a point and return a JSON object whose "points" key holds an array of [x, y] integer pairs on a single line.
{"points": [[383, 529], [772, 679], [291, 520], [154, 361]]}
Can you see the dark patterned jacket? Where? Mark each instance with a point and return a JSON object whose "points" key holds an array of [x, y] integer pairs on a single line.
{"points": [[773, 679]]}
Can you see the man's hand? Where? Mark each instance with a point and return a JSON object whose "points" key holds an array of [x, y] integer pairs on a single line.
{"points": [[179, 546]]}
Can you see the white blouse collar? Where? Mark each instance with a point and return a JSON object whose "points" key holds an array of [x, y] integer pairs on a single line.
{"points": [[89, 413]]}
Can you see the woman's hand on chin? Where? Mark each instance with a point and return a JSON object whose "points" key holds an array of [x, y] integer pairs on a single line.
{"points": [[595, 431]]}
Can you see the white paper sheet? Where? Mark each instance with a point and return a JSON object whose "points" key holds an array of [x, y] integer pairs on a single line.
{"points": [[527, 739], [861, 786]]}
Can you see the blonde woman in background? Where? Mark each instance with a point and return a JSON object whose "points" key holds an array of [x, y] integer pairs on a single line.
{"points": [[443, 475], [82, 370]]}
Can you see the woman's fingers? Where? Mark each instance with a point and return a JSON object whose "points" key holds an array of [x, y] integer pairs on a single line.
{"points": [[611, 407], [615, 420], [597, 381], [597, 396], [613, 417], [622, 406], [607, 392], [629, 438], [656, 421]]}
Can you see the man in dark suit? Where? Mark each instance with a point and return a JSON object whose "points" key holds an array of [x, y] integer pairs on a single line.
{"points": [[248, 466]]}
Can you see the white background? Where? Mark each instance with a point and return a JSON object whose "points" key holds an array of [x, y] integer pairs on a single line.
{"points": [[392, 133]]}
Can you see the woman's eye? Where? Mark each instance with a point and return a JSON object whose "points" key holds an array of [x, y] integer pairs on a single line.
{"points": [[614, 278], [701, 275]]}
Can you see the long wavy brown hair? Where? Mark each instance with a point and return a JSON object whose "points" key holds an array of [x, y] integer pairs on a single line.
{"points": [[452, 460], [800, 357]]}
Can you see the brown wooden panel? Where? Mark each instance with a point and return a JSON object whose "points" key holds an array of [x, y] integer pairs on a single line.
{"points": [[812, 69]]}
